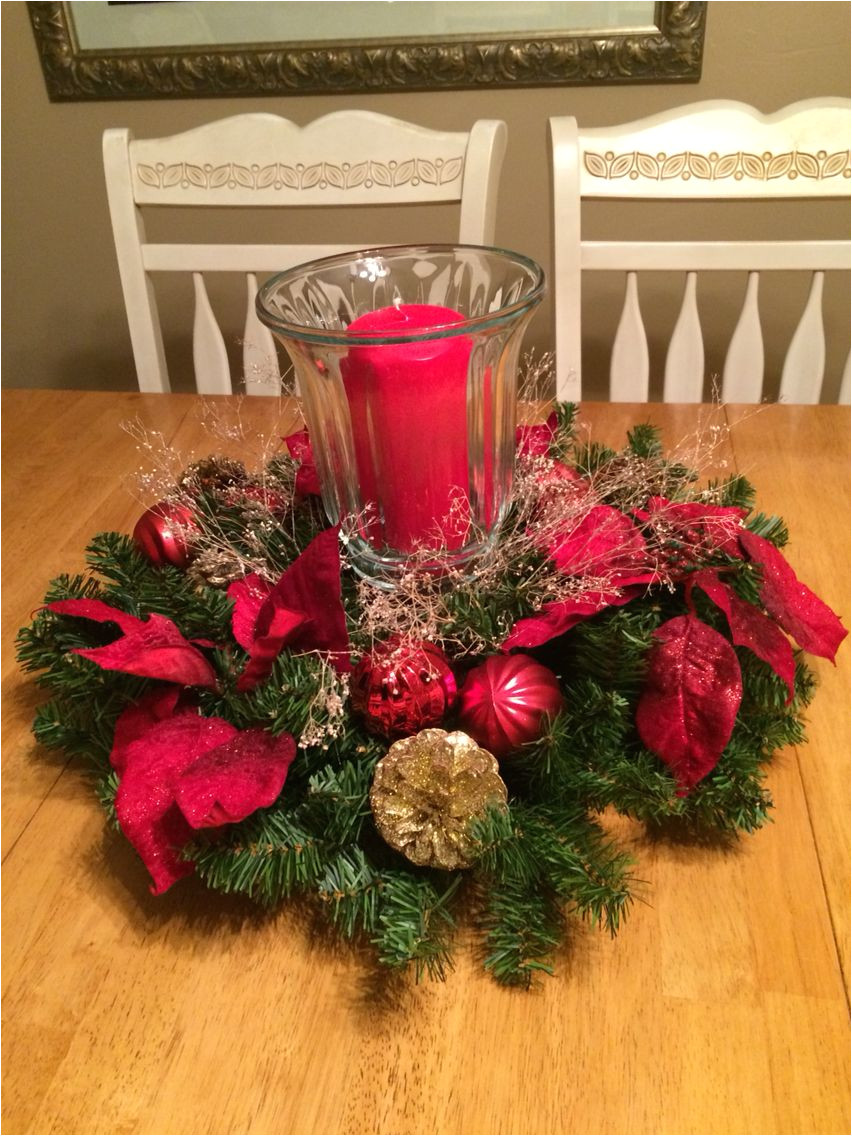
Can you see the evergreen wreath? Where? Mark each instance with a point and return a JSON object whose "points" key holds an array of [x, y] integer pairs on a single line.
{"points": [[643, 621]]}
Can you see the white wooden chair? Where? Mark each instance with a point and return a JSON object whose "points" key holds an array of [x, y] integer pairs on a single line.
{"points": [[349, 158], [717, 149]]}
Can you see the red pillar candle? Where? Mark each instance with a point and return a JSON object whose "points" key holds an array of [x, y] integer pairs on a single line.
{"points": [[408, 404]]}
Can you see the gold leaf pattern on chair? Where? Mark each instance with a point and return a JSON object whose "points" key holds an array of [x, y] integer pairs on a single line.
{"points": [[404, 172], [427, 171], [807, 165], [780, 165], [278, 175], [713, 167], [450, 170], [673, 166], [836, 164], [356, 175]]}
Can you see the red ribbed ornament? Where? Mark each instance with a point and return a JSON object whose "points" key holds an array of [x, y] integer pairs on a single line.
{"points": [[403, 687], [503, 702], [161, 534]]}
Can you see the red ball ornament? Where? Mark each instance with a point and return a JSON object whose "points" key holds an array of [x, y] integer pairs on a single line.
{"points": [[161, 534], [503, 702], [403, 687]]}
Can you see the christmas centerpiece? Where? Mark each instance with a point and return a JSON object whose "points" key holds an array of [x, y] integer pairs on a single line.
{"points": [[405, 715]]}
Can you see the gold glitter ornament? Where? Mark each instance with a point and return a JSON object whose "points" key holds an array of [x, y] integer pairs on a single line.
{"points": [[427, 789]]}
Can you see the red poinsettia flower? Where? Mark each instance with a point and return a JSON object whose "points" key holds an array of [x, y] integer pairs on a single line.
{"points": [[792, 604], [534, 441], [307, 477], [302, 611], [603, 544], [180, 772], [688, 532], [606, 553], [689, 703], [749, 626], [561, 615], [150, 648]]}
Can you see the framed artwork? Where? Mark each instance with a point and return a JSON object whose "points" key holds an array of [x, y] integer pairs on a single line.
{"points": [[144, 50]]}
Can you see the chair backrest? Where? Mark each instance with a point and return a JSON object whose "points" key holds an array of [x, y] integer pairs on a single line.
{"points": [[717, 149], [349, 158]]}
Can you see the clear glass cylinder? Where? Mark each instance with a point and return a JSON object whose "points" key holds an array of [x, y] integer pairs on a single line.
{"points": [[407, 362]]}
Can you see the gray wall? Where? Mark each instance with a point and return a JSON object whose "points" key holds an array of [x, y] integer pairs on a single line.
{"points": [[64, 323]]}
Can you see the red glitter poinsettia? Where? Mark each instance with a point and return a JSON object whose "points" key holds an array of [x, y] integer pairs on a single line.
{"points": [[810, 621], [149, 648], [688, 707], [302, 611], [690, 532], [180, 772], [604, 543], [560, 616], [749, 626], [693, 687], [607, 555], [534, 441], [307, 477]]}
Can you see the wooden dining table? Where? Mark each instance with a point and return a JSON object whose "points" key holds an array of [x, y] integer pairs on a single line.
{"points": [[720, 1007]]}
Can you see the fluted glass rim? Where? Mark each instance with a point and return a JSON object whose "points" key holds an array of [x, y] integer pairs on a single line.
{"points": [[470, 325]]}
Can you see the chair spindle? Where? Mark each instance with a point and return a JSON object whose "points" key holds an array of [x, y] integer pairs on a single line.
{"points": [[629, 368], [804, 366], [684, 376], [209, 355], [742, 378], [260, 360]]}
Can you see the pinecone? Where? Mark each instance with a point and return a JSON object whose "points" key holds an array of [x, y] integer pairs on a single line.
{"points": [[213, 474], [628, 480], [216, 568]]}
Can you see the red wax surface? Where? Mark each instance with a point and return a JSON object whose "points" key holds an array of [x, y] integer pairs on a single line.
{"points": [[408, 403]]}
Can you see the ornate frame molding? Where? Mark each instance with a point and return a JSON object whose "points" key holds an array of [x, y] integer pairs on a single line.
{"points": [[670, 54]]}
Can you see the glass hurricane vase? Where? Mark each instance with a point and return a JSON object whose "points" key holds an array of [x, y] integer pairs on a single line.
{"points": [[407, 362]]}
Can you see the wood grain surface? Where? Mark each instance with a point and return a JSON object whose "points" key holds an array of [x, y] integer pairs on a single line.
{"points": [[721, 1007]]}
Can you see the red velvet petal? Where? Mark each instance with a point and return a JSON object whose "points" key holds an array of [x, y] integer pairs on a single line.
{"points": [[749, 626], [693, 690], [802, 614], [145, 801], [249, 595], [228, 783], [560, 616], [302, 611], [604, 543], [154, 649], [97, 610], [307, 478], [282, 626], [138, 719], [535, 440], [312, 585]]}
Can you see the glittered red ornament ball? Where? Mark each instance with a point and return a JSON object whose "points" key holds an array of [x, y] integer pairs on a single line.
{"points": [[403, 687], [503, 702], [161, 534]]}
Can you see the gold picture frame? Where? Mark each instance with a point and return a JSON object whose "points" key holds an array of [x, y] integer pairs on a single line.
{"points": [[670, 53]]}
